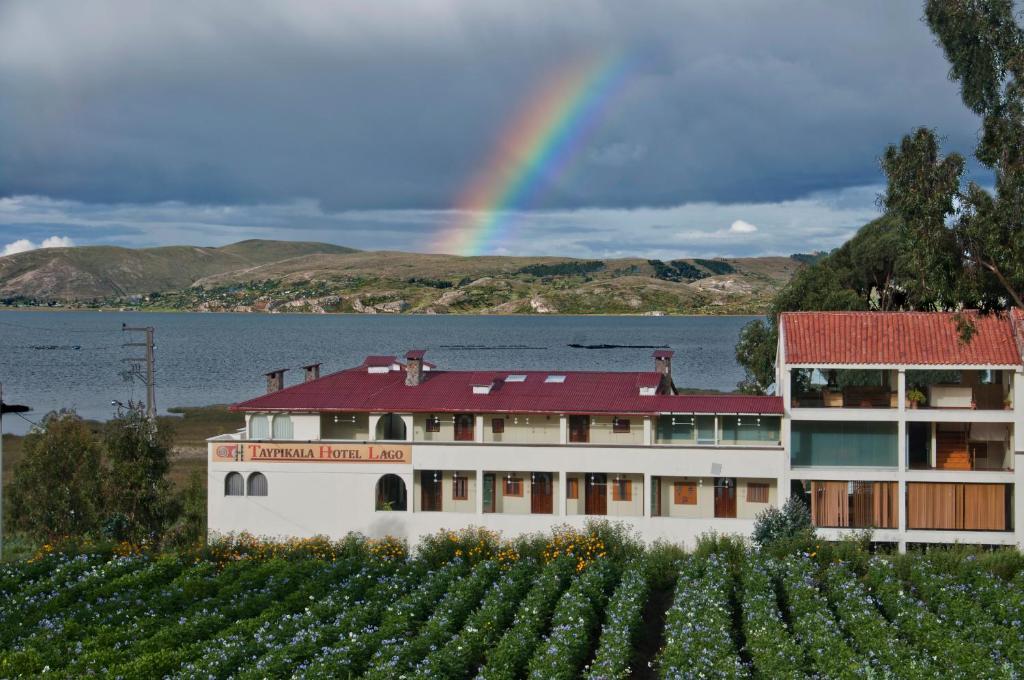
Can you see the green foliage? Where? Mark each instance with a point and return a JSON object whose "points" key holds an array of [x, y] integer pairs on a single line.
{"points": [[432, 283], [676, 270], [755, 352], [967, 243], [138, 494], [57, 488], [786, 528], [189, 530], [570, 268], [715, 266]]}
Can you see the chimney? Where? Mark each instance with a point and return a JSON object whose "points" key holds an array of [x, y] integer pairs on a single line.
{"points": [[414, 367], [312, 372], [663, 365], [275, 380]]}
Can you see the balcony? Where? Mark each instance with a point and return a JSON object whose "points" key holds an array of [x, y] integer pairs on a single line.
{"points": [[981, 390], [843, 388], [960, 446]]}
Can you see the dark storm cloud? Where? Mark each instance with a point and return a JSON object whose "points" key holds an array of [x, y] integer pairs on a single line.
{"points": [[391, 106]]}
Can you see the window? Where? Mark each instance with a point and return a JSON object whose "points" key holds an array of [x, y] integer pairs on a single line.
{"points": [[676, 428], [749, 429], [283, 427], [555, 379], [257, 484], [259, 427], [460, 488], [620, 425], [579, 429], [622, 490], [757, 492], [233, 485], [433, 424], [513, 486], [516, 377], [497, 425], [684, 493], [572, 488], [706, 430], [464, 424], [841, 443]]}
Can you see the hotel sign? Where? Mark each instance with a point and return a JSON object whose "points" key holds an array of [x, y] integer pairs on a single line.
{"points": [[303, 452]]}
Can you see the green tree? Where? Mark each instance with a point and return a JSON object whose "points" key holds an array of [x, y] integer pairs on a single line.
{"points": [[139, 501], [57, 487], [189, 529], [870, 271], [967, 243]]}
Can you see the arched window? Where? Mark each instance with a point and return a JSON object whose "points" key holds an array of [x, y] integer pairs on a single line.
{"points": [[234, 485], [391, 427], [283, 427], [257, 484], [390, 493], [259, 427]]}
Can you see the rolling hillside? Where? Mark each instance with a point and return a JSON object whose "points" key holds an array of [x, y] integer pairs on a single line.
{"points": [[275, 276], [93, 272]]}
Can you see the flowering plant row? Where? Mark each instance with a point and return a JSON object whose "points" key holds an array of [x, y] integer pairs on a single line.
{"points": [[771, 647], [698, 643], [939, 640], [814, 625], [622, 623]]}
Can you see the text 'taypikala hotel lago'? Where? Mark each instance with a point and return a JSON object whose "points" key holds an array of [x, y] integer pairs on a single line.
{"points": [[881, 420]]}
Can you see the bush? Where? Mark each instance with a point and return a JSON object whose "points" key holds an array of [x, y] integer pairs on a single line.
{"points": [[788, 528]]}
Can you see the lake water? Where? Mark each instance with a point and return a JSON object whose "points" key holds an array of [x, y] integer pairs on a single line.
{"points": [[52, 360]]}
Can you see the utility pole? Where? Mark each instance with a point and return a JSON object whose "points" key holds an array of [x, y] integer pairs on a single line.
{"points": [[4, 408], [149, 379]]}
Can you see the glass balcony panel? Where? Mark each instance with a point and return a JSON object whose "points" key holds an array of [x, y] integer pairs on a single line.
{"points": [[747, 430], [849, 444]]}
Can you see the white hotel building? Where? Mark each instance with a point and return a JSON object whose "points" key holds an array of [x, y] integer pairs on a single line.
{"points": [[881, 420]]}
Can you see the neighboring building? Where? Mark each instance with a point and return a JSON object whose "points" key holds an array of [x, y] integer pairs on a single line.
{"points": [[402, 448]]}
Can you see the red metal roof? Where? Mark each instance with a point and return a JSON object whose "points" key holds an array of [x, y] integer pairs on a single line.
{"points": [[910, 338], [589, 392]]}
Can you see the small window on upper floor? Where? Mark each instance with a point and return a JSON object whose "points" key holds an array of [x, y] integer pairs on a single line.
{"points": [[433, 424], [620, 425], [283, 427], [259, 427]]}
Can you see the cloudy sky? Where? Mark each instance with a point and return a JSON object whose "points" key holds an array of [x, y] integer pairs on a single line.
{"points": [[737, 128]]}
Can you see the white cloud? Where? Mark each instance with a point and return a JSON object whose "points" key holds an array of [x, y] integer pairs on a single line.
{"points": [[818, 221], [19, 246], [741, 227], [23, 245]]}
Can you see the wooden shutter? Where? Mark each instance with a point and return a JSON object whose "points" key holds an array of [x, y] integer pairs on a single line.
{"points": [[684, 493], [622, 490], [757, 492], [572, 488], [460, 488], [513, 486], [830, 504]]}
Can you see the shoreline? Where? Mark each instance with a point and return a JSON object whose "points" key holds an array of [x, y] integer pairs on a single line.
{"points": [[640, 315]]}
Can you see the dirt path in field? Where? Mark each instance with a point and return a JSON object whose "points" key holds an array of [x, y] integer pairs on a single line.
{"points": [[652, 633]]}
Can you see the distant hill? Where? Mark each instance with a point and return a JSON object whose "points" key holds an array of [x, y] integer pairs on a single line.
{"points": [[276, 276], [95, 272]]}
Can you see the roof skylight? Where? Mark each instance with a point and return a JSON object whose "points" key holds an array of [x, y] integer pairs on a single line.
{"points": [[555, 379], [517, 377]]}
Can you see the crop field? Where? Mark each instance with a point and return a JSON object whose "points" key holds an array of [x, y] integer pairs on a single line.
{"points": [[570, 606]]}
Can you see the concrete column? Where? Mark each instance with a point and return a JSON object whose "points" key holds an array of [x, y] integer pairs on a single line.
{"points": [[1018, 456], [901, 444], [407, 419], [479, 492], [563, 429], [371, 436], [648, 431], [559, 491], [648, 495], [478, 430], [901, 390], [901, 514], [410, 490], [931, 453]]}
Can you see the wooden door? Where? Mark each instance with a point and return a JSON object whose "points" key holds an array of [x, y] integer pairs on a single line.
{"points": [[464, 426], [541, 496], [579, 429], [488, 492], [725, 497], [430, 491], [596, 502]]}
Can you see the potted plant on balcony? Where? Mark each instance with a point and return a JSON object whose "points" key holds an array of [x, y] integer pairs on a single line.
{"points": [[1008, 403], [915, 397]]}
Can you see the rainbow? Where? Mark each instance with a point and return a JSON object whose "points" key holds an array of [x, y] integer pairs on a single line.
{"points": [[532, 152]]}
